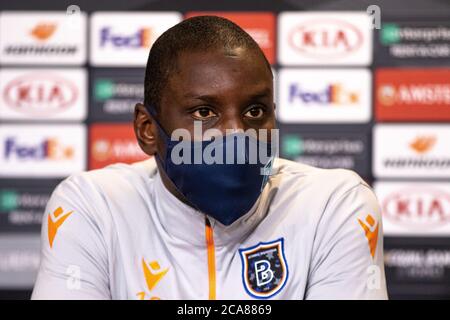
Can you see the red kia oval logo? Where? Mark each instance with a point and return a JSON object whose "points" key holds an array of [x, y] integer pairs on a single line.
{"points": [[326, 38], [418, 208], [40, 94]]}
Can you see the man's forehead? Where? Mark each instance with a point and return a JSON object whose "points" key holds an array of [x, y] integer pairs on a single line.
{"points": [[212, 70]]}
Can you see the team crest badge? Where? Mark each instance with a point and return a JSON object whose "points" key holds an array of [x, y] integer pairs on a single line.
{"points": [[264, 269]]}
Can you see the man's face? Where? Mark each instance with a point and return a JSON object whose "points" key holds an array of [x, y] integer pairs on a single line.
{"points": [[224, 90]]}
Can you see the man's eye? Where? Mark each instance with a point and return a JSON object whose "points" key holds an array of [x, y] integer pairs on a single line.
{"points": [[203, 113], [255, 113]]}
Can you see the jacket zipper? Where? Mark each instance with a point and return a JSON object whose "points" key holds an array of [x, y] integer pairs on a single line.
{"points": [[210, 249]]}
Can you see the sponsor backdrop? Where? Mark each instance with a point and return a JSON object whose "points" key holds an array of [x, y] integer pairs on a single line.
{"points": [[376, 101]]}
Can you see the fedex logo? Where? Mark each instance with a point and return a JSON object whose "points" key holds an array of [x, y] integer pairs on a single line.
{"points": [[140, 39], [123, 39], [324, 96], [53, 151], [46, 149], [334, 93]]}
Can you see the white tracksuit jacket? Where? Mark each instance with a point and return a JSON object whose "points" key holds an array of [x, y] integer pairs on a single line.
{"points": [[118, 233]]}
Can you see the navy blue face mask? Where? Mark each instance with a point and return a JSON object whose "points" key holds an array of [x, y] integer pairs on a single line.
{"points": [[227, 182]]}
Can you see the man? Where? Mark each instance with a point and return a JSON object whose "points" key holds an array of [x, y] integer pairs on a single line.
{"points": [[165, 229]]}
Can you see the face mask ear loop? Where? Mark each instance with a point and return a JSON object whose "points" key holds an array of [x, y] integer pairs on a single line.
{"points": [[152, 111]]}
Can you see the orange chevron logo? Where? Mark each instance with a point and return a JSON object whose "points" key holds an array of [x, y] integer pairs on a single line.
{"points": [[151, 278], [55, 220], [43, 31], [371, 232], [423, 144]]}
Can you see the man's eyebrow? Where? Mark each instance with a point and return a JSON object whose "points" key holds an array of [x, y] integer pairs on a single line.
{"points": [[212, 97], [261, 93]]}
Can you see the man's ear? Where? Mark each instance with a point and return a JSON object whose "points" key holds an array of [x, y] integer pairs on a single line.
{"points": [[144, 129]]}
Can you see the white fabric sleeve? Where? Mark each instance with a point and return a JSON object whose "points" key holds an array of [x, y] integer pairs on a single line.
{"points": [[73, 261], [347, 260]]}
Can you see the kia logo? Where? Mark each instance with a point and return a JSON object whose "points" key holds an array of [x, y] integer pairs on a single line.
{"points": [[330, 38], [418, 208], [40, 94]]}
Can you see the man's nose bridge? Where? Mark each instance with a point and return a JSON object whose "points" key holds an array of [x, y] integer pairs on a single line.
{"points": [[232, 120]]}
